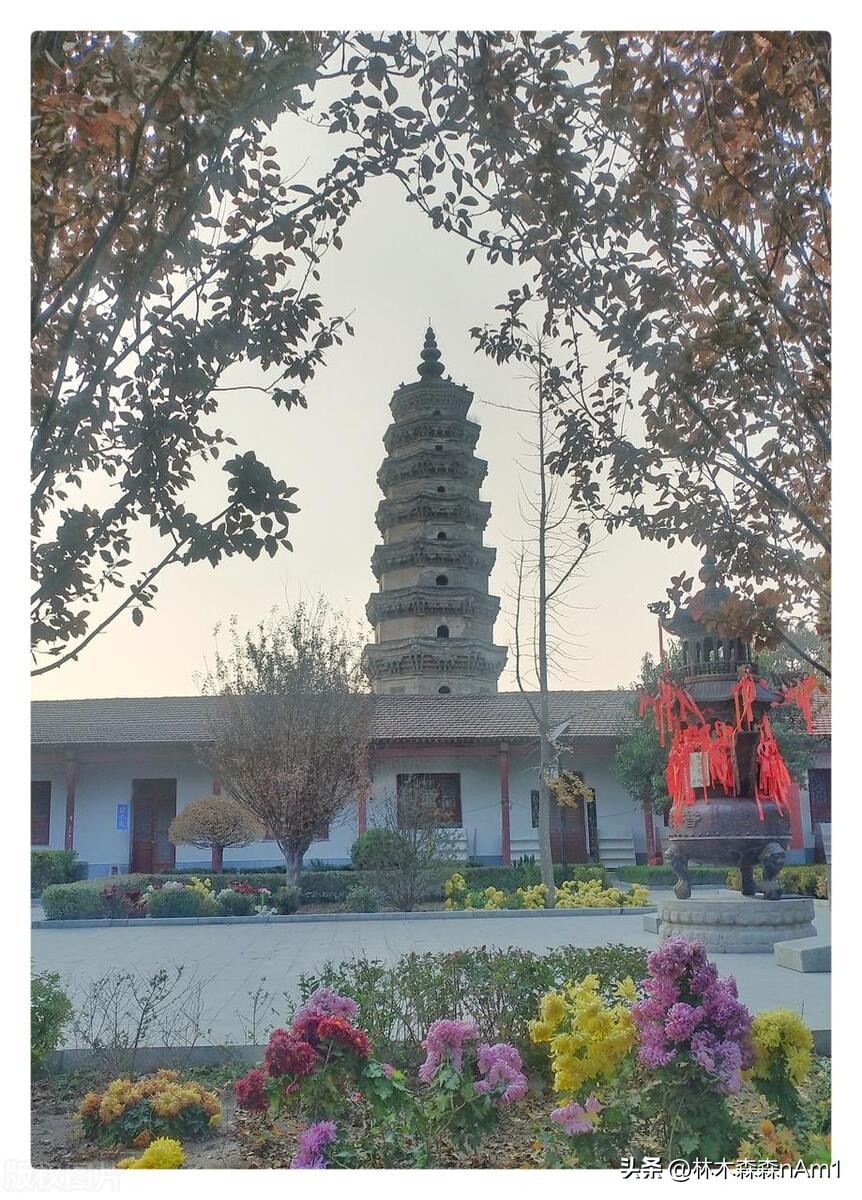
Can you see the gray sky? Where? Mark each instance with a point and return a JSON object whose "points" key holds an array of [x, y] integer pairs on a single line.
{"points": [[393, 273]]}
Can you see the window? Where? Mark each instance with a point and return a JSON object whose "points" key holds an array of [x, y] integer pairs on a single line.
{"points": [[442, 580], [40, 812], [438, 447], [441, 536], [442, 631], [444, 691], [446, 787], [441, 488], [534, 809]]}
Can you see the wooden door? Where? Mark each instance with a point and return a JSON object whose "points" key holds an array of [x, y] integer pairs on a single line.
{"points": [[568, 834], [154, 806]]}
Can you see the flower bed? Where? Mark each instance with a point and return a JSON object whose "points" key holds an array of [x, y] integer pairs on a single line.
{"points": [[130, 897], [121, 896], [589, 893], [655, 1068]]}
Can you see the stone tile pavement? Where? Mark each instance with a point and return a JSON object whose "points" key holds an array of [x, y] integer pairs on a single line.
{"points": [[234, 960]]}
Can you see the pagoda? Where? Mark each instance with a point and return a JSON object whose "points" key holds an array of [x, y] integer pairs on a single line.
{"points": [[433, 616]]}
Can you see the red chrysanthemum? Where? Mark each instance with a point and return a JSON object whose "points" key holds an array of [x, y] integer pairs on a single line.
{"points": [[286, 1054], [305, 1026], [336, 1029], [250, 1091]]}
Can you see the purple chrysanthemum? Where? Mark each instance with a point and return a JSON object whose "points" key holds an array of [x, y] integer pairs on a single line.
{"points": [[445, 1038], [310, 1145]]}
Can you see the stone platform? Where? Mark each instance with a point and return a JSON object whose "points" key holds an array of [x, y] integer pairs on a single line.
{"points": [[735, 924]]}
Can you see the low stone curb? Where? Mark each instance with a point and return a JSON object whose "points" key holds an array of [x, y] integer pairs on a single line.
{"points": [[302, 918]]}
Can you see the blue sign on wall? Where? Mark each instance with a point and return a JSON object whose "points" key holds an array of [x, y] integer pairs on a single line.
{"points": [[122, 816]]}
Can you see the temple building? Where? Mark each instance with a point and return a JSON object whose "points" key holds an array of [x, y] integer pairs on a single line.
{"points": [[433, 615], [108, 775]]}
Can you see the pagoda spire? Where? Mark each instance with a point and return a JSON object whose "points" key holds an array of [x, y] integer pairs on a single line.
{"points": [[432, 613], [430, 367]]}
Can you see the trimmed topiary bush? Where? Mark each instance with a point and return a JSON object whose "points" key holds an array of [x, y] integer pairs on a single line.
{"points": [[286, 899]]}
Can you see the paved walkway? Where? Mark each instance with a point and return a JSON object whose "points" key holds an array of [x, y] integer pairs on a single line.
{"points": [[235, 960]]}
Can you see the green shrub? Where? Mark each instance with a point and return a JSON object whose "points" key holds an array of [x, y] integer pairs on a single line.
{"points": [[178, 902], [657, 876], [235, 904], [362, 899], [73, 901], [319, 864], [55, 866], [376, 849], [499, 989], [286, 899], [50, 1013]]}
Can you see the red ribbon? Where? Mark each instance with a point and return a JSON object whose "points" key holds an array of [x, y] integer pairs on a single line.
{"points": [[802, 695], [773, 778], [744, 694]]}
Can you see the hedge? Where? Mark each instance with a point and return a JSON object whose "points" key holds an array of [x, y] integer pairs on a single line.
{"points": [[54, 866], [812, 880], [656, 876]]}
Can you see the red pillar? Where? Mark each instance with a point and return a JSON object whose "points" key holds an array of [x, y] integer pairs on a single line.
{"points": [[797, 841], [362, 797], [505, 830], [653, 855], [71, 784]]}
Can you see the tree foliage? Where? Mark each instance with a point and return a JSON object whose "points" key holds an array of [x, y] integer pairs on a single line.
{"points": [[214, 823], [667, 192], [670, 193], [168, 244], [288, 730]]}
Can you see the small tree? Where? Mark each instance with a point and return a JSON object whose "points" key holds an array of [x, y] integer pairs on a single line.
{"points": [[417, 848], [212, 823], [288, 729], [640, 760]]}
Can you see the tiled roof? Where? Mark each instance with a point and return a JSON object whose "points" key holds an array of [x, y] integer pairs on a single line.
{"points": [[183, 719], [175, 720]]}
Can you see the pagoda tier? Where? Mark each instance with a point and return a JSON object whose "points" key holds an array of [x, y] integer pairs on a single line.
{"points": [[428, 506], [433, 616]]}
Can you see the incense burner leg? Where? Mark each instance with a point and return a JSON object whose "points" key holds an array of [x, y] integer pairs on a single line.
{"points": [[678, 863], [772, 860], [746, 871]]}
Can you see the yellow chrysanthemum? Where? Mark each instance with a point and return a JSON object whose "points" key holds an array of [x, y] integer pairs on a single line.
{"points": [[625, 989], [162, 1154]]}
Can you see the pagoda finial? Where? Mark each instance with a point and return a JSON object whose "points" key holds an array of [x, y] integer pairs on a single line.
{"points": [[430, 366]]}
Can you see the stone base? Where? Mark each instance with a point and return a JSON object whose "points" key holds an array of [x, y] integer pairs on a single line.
{"points": [[805, 954], [737, 925]]}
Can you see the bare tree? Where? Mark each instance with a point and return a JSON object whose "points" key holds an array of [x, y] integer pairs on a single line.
{"points": [[288, 730], [417, 846], [547, 568]]}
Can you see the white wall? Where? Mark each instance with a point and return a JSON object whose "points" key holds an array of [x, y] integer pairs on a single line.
{"points": [[105, 781]]}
